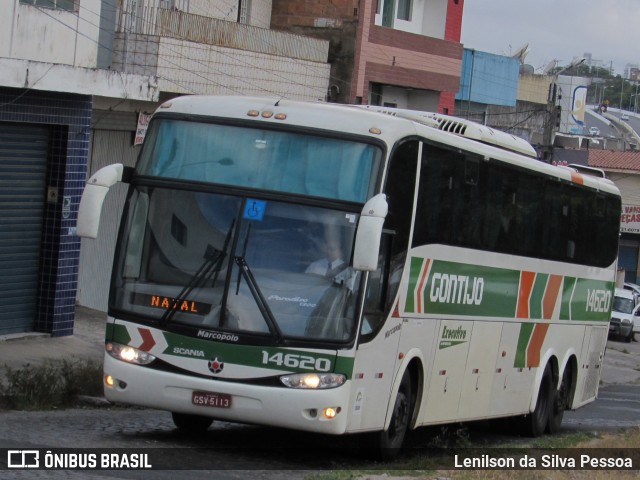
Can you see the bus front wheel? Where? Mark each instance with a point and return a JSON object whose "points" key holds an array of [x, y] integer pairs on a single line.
{"points": [[191, 423], [391, 440]]}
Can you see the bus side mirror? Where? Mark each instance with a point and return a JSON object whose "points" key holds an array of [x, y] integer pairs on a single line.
{"points": [[367, 248], [93, 198]]}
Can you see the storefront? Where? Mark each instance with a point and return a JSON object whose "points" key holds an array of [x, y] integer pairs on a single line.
{"points": [[44, 138], [629, 242]]}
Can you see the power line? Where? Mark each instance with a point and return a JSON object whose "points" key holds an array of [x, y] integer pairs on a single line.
{"points": [[2, 105], [179, 55]]}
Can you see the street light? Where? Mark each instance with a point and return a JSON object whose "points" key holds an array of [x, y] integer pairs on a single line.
{"points": [[604, 87]]}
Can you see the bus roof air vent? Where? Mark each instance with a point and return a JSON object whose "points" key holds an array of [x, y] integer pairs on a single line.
{"points": [[451, 125], [460, 127], [419, 117], [484, 134]]}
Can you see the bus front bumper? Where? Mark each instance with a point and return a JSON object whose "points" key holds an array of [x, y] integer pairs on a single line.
{"points": [[298, 409]]}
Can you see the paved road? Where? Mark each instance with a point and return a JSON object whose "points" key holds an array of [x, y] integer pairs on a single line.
{"points": [[618, 403], [234, 450], [618, 406]]}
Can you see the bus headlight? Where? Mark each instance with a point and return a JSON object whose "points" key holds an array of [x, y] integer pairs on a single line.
{"points": [[313, 380], [128, 354]]}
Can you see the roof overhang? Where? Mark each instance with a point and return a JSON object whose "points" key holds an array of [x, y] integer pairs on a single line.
{"points": [[84, 81]]}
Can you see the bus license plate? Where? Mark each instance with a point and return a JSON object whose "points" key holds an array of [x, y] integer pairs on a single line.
{"points": [[211, 399]]}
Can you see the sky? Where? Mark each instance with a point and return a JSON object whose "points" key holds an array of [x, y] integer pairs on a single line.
{"points": [[556, 30]]}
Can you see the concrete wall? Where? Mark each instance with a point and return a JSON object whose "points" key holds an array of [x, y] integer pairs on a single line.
{"points": [[194, 68], [49, 35], [534, 88]]}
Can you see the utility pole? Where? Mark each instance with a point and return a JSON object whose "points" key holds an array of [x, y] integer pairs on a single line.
{"points": [[553, 112], [549, 122]]}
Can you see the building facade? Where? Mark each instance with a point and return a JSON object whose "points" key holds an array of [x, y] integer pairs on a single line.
{"points": [[398, 53], [47, 84], [70, 100], [623, 168], [500, 92]]}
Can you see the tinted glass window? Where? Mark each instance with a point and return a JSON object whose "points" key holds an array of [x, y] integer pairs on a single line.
{"points": [[490, 205], [263, 159]]}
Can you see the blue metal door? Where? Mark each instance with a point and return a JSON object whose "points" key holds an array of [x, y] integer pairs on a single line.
{"points": [[23, 162]]}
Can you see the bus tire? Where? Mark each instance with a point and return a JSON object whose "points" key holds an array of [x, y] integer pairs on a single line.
{"points": [[391, 440], [535, 424], [559, 402], [191, 423]]}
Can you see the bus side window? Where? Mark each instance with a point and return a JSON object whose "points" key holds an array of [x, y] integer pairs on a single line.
{"points": [[379, 289]]}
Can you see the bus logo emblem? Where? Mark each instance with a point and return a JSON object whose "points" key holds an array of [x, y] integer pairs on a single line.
{"points": [[215, 365]]}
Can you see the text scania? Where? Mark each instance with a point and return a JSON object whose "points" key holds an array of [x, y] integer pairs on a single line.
{"points": [[189, 352], [460, 289]]}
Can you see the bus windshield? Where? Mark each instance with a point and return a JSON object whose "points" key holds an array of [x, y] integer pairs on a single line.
{"points": [[237, 264], [260, 158]]}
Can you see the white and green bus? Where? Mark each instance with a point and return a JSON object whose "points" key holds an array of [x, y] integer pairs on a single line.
{"points": [[462, 278]]}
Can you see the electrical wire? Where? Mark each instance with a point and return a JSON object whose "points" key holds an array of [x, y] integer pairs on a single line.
{"points": [[486, 77], [179, 55], [29, 89]]}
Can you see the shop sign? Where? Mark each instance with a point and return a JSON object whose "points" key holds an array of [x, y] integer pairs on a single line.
{"points": [[630, 219]]}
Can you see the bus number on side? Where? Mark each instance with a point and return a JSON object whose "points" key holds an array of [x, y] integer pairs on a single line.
{"points": [[598, 301], [293, 360]]}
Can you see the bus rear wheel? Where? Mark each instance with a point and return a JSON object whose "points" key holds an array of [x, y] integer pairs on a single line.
{"points": [[390, 440], [191, 423], [537, 421], [559, 401]]}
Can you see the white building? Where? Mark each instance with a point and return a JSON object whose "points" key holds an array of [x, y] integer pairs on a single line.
{"points": [[74, 77]]}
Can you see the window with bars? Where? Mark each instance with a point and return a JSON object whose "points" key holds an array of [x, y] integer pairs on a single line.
{"points": [[243, 13], [68, 5]]}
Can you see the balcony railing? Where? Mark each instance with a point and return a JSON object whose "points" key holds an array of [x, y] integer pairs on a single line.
{"points": [[171, 18]]}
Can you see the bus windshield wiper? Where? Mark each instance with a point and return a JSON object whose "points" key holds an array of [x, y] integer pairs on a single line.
{"points": [[261, 302], [211, 266]]}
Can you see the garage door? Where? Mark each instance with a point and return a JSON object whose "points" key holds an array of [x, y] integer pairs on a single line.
{"points": [[628, 260], [23, 161]]}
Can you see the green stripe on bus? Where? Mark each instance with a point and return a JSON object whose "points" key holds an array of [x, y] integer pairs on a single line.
{"points": [[567, 293], [591, 301], [415, 270], [537, 294], [274, 358], [344, 365], [472, 290], [526, 329], [118, 333], [464, 289]]}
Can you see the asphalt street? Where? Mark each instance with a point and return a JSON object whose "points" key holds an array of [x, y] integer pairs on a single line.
{"points": [[618, 405]]}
